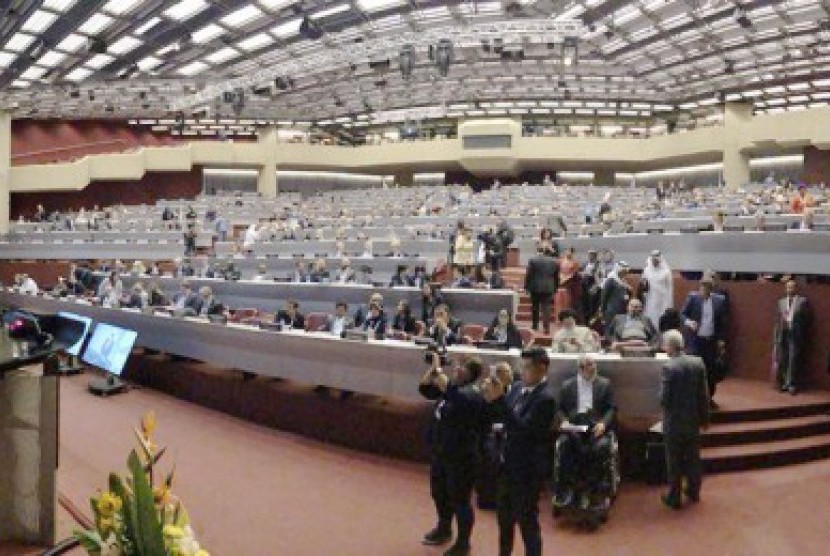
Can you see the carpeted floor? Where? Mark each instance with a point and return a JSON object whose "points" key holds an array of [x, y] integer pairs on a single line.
{"points": [[253, 491]]}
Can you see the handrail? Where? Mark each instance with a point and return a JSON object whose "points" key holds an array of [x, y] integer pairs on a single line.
{"points": [[45, 152]]}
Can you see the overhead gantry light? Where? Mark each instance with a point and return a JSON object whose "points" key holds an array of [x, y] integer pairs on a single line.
{"points": [[443, 56], [406, 61]]}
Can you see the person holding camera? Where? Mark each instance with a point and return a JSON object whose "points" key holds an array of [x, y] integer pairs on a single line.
{"points": [[455, 434], [527, 411]]}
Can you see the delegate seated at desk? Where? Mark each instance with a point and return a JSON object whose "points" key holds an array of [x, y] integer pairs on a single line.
{"points": [[504, 331], [290, 316], [340, 321], [572, 338], [633, 329]]}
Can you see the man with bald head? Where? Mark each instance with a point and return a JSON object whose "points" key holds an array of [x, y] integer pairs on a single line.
{"points": [[633, 329]]}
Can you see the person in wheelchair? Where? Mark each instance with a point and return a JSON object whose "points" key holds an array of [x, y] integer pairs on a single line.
{"points": [[584, 448]]}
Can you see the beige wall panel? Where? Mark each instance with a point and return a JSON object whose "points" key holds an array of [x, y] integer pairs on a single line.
{"points": [[167, 159], [126, 166], [71, 176]]}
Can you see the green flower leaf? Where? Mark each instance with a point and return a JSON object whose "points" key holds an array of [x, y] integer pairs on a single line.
{"points": [[149, 539]]}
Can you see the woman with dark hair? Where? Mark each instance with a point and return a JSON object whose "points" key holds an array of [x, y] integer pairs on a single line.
{"points": [[504, 331]]}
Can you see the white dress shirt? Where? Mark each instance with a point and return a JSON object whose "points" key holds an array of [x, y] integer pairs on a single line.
{"points": [[585, 394], [707, 319], [338, 324]]}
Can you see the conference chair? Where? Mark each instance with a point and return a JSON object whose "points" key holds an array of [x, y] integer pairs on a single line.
{"points": [[472, 333], [528, 337], [242, 315], [315, 321]]}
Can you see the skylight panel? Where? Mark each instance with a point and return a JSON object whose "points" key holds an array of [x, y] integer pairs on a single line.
{"points": [[120, 7], [95, 24], [334, 10], [19, 42], [207, 33], [58, 5], [148, 25], [287, 29], [377, 5], [78, 74], [51, 59], [72, 43], [34, 72], [6, 58], [185, 9], [255, 42], [193, 68], [99, 60], [148, 63], [39, 21], [223, 55], [124, 45], [275, 5], [242, 16], [20, 84]]}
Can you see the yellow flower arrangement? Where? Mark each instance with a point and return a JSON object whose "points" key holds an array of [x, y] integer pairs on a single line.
{"points": [[136, 516]]}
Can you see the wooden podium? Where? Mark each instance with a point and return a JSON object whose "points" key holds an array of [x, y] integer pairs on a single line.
{"points": [[28, 444]]}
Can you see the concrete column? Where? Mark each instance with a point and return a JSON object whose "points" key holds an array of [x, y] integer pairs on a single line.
{"points": [[735, 163], [404, 179], [267, 180], [5, 166], [603, 177]]}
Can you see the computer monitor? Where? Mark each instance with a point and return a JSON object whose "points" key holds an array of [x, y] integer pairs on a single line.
{"points": [[109, 347], [75, 349]]}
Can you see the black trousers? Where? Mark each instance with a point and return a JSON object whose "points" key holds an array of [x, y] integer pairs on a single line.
{"points": [[518, 503], [540, 301], [707, 350], [683, 461], [451, 485], [581, 457]]}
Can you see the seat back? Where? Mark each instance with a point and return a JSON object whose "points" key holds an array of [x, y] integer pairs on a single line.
{"points": [[315, 321], [528, 337], [243, 314], [472, 333]]}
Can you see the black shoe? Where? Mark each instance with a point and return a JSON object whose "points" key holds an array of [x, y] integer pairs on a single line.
{"points": [[671, 502], [694, 498], [437, 537], [458, 550], [783, 388], [792, 390]]}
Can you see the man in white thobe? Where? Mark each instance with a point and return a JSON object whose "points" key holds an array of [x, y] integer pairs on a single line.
{"points": [[659, 295]]}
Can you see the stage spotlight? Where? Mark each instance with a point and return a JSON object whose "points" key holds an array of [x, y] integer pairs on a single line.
{"points": [[570, 51], [406, 60], [443, 56]]}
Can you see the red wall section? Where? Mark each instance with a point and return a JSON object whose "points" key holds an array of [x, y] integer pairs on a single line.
{"points": [[752, 317], [816, 165], [36, 141], [152, 187]]}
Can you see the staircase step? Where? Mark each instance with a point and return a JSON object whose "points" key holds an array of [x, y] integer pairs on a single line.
{"points": [[770, 413], [750, 432], [766, 454]]}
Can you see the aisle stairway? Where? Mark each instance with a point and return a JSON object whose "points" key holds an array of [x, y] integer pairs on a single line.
{"points": [[514, 278], [768, 435]]}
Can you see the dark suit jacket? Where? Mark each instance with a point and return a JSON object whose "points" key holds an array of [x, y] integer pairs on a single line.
{"points": [[297, 323], [603, 409], [457, 434], [193, 300], [684, 396], [403, 323], [614, 299], [528, 446], [542, 276], [428, 307], [514, 339], [693, 310], [618, 325], [214, 306], [800, 321], [453, 334], [399, 280], [376, 324]]}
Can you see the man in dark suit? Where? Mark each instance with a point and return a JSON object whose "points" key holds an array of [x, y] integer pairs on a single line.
{"points": [[588, 400], [290, 316], [445, 329], [633, 329], [541, 282], [186, 298], [208, 304], [704, 314], [685, 401], [791, 327], [375, 323], [616, 293], [455, 438], [527, 412]]}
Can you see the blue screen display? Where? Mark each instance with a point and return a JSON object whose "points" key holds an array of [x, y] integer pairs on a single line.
{"points": [[75, 349], [109, 348]]}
